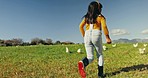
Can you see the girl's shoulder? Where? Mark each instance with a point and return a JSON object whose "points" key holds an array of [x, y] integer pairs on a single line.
{"points": [[100, 17]]}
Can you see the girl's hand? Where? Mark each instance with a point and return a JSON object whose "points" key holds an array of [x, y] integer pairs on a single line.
{"points": [[108, 40]]}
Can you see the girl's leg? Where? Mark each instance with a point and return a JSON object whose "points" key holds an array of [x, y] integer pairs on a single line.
{"points": [[97, 42], [89, 51], [98, 47], [89, 46]]}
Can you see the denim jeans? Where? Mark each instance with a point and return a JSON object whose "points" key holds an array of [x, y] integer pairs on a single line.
{"points": [[93, 40]]}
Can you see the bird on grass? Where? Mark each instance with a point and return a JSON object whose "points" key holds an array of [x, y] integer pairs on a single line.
{"points": [[114, 45], [104, 48], [142, 50], [144, 45], [79, 51], [135, 45], [67, 50]]}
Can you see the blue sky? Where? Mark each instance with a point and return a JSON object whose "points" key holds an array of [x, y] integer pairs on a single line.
{"points": [[59, 19]]}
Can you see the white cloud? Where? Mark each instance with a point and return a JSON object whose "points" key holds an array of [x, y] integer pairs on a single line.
{"points": [[119, 32], [146, 38], [145, 31]]}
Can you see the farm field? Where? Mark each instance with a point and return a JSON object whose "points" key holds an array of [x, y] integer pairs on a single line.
{"points": [[51, 61]]}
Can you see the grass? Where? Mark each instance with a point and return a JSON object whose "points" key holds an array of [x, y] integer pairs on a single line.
{"points": [[123, 61]]}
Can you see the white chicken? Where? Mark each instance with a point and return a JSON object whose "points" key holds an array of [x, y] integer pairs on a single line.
{"points": [[67, 50], [114, 45], [144, 45], [135, 45], [142, 50], [79, 50], [104, 48]]}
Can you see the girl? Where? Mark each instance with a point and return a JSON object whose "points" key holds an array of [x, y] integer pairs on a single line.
{"points": [[95, 22]]}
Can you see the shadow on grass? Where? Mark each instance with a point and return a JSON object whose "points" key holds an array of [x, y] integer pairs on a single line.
{"points": [[140, 67]]}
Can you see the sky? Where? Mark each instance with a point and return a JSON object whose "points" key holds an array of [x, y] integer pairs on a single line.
{"points": [[60, 19]]}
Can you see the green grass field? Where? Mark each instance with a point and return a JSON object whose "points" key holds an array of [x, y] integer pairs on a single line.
{"points": [[123, 61]]}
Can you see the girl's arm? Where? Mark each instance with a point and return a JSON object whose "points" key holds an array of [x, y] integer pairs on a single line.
{"points": [[81, 27], [105, 29]]}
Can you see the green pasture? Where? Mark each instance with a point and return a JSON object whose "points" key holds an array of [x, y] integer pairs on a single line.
{"points": [[51, 61]]}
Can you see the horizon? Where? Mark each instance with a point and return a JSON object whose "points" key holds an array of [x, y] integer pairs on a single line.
{"points": [[76, 42]]}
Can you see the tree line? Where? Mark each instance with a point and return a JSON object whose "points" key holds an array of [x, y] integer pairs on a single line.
{"points": [[34, 41]]}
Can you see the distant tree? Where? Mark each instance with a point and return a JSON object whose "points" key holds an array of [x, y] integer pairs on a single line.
{"points": [[67, 42], [8, 42], [37, 41], [13, 42], [25, 44], [16, 41], [49, 41], [2, 43], [57, 42]]}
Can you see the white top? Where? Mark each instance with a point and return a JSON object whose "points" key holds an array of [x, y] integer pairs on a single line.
{"points": [[91, 27]]}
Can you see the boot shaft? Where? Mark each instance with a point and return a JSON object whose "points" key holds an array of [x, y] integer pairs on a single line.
{"points": [[85, 61], [100, 71]]}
